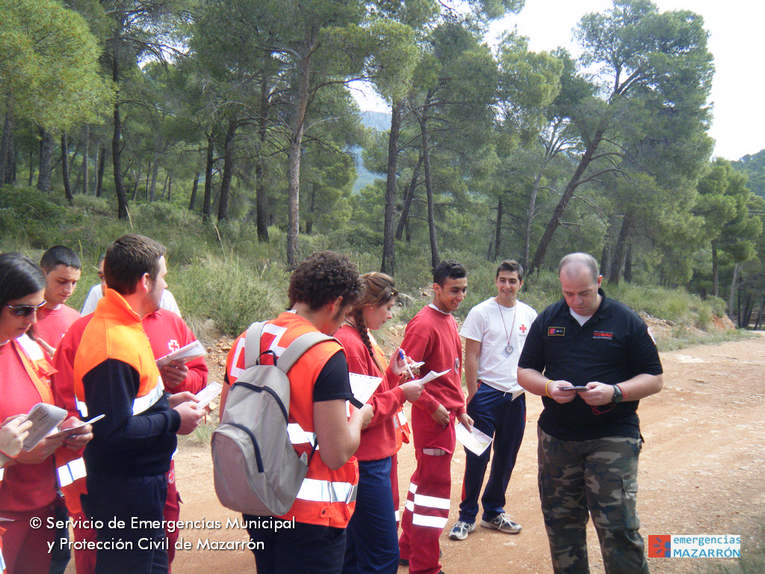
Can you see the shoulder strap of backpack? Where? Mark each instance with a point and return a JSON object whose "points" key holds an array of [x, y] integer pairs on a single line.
{"points": [[252, 344], [290, 355], [299, 346]]}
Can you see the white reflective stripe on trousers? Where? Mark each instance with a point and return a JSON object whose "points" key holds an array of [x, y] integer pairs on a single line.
{"points": [[424, 501], [429, 521], [314, 490], [71, 471]]}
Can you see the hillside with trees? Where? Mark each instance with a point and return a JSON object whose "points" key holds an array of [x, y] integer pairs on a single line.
{"points": [[239, 115]]}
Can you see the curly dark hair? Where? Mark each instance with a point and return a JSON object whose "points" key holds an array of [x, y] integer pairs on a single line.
{"points": [[323, 277]]}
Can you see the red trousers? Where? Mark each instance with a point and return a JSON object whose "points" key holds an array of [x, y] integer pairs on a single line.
{"points": [[25, 548], [427, 502]]}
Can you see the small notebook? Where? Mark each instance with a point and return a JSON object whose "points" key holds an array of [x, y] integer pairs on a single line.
{"points": [[45, 418], [187, 353]]}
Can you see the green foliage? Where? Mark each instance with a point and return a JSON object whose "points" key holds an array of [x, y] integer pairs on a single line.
{"points": [[753, 166], [503, 130]]}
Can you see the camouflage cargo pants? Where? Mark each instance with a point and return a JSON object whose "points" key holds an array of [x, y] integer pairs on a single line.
{"points": [[596, 477]]}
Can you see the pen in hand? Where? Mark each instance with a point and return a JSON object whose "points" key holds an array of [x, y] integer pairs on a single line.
{"points": [[406, 362]]}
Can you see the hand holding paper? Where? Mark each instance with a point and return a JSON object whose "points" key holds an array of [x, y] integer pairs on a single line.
{"points": [[187, 353], [208, 394], [475, 441]]}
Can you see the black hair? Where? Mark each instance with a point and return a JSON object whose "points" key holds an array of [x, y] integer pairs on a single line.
{"points": [[59, 255], [128, 259], [510, 265], [19, 277], [448, 269]]}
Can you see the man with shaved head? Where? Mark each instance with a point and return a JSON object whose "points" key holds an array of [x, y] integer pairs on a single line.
{"points": [[591, 359]]}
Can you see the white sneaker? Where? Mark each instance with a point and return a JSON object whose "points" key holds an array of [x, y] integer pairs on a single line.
{"points": [[461, 529], [503, 523]]}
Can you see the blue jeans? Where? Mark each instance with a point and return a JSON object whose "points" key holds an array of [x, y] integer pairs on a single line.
{"points": [[496, 414], [372, 536]]}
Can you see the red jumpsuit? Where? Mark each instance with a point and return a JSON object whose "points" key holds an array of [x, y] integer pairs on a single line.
{"points": [[432, 337]]}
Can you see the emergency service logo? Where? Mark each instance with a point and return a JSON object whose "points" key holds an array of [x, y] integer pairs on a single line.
{"points": [[694, 546], [659, 546], [556, 331]]}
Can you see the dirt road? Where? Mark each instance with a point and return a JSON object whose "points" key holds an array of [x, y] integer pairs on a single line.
{"points": [[701, 473]]}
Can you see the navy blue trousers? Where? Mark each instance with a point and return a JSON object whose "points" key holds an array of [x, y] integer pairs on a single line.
{"points": [[308, 549], [128, 550], [496, 414], [372, 534]]}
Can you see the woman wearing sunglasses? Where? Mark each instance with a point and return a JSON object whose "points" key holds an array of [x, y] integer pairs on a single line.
{"points": [[28, 489]]}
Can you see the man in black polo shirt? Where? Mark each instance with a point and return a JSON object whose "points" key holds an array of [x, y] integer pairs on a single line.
{"points": [[591, 359]]}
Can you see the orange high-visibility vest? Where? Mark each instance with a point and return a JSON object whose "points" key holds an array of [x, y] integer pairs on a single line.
{"points": [[116, 323], [326, 497]]}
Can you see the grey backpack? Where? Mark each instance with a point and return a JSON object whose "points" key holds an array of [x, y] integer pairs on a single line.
{"points": [[256, 469]]}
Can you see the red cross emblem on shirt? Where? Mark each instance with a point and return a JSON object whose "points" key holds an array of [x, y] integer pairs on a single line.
{"points": [[524, 328]]}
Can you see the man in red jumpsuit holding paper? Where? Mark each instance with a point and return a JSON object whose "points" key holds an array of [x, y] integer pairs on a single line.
{"points": [[431, 337]]}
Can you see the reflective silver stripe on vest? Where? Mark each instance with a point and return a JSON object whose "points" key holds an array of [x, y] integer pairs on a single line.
{"points": [[71, 471], [314, 490], [2, 472], [299, 436], [141, 404]]}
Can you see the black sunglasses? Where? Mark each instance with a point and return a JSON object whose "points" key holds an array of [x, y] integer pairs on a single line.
{"points": [[24, 310]]}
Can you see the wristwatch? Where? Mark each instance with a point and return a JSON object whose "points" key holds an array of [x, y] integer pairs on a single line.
{"points": [[618, 395]]}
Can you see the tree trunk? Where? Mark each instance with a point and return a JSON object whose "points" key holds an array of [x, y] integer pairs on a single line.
{"points": [[101, 170], [733, 289], [531, 213], [45, 168], [65, 169], [296, 145], [168, 187], [228, 171], [194, 188], [152, 191], [715, 272], [568, 193], [389, 254], [119, 185], [628, 263], [31, 175], [434, 255], [260, 166], [408, 198], [85, 158], [617, 262], [7, 152], [207, 200], [311, 208], [135, 186], [498, 229]]}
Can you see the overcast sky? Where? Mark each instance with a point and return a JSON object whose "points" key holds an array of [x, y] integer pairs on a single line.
{"points": [[736, 40]]}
